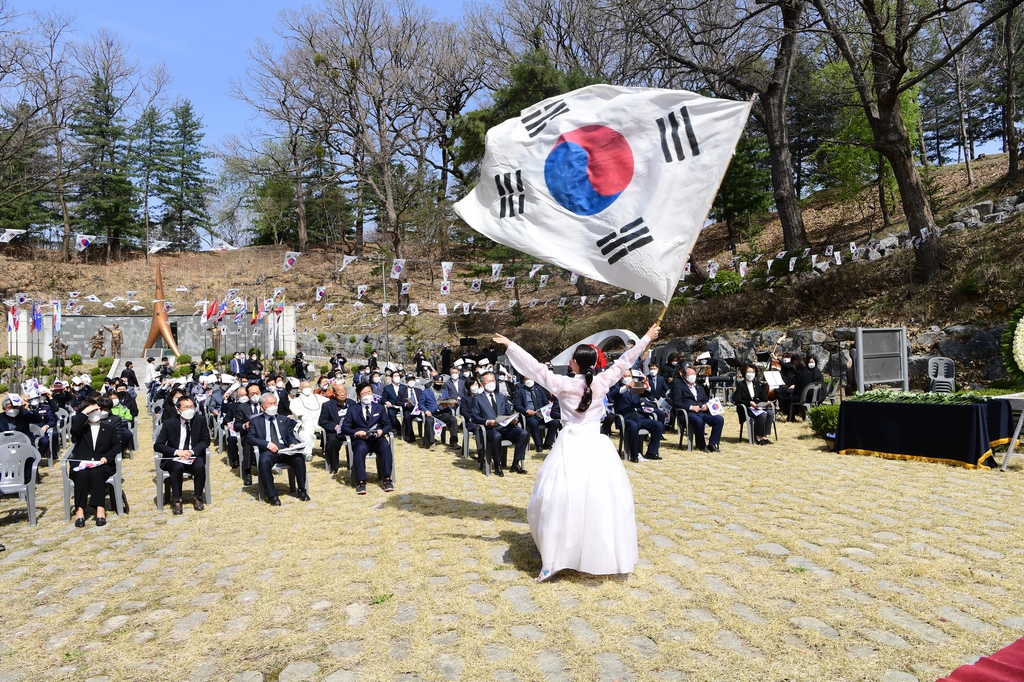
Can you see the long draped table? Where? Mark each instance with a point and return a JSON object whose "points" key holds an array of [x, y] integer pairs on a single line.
{"points": [[963, 435]]}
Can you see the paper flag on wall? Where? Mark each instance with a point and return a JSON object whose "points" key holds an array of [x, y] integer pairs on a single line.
{"points": [[534, 270], [121, 298], [510, 282], [82, 241], [361, 290], [446, 288], [828, 250], [476, 285], [561, 302], [838, 257], [277, 292], [686, 270], [574, 277], [328, 306], [487, 308], [446, 269], [442, 310], [406, 288], [780, 255], [792, 263], [182, 289], [534, 302], [807, 252], [770, 261], [357, 305], [544, 280], [108, 304], [167, 307], [397, 268], [712, 270], [320, 291], [512, 304], [583, 300], [74, 294], [743, 269], [300, 306], [290, 257], [10, 234], [600, 298], [136, 307], [155, 246], [346, 261], [465, 309], [637, 295], [132, 294]]}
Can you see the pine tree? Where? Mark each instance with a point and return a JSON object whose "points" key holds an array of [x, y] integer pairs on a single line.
{"points": [[106, 196], [185, 187], [24, 173], [150, 163]]}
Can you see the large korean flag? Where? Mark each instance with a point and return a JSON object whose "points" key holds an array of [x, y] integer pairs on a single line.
{"points": [[611, 182]]}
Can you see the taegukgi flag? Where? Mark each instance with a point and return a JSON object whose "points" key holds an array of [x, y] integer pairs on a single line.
{"points": [[613, 183]]}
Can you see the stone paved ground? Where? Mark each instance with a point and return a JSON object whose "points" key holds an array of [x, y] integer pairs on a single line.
{"points": [[781, 562]]}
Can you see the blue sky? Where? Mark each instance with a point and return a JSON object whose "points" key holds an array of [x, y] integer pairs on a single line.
{"points": [[203, 42]]}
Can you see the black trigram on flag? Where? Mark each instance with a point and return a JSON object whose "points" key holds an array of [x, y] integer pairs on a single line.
{"points": [[629, 238], [537, 121], [508, 193], [672, 131]]}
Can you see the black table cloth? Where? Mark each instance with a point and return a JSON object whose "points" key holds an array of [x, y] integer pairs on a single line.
{"points": [[952, 434]]}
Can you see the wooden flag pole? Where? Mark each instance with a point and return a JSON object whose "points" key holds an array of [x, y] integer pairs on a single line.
{"points": [[658, 323]]}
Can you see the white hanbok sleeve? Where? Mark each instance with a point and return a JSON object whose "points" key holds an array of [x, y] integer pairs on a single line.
{"points": [[529, 366], [613, 374]]}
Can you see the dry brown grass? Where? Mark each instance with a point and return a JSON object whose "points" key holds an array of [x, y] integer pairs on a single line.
{"points": [[451, 542]]}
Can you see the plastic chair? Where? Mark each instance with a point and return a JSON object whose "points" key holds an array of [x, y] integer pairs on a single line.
{"points": [[350, 454], [69, 484], [941, 374], [832, 393], [683, 424], [477, 433], [163, 481], [744, 412], [642, 434], [13, 457], [276, 469], [14, 437], [808, 399]]}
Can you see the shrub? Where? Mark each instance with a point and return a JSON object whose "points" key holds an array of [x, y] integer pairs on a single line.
{"points": [[324, 369], [98, 372], [75, 359], [5, 363], [321, 337], [279, 355], [257, 351], [184, 360], [180, 371], [97, 383], [289, 371], [55, 362], [227, 358], [352, 339], [824, 419], [727, 281], [368, 349], [329, 346], [3, 388], [209, 355], [105, 363], [969, 285], [999, 383]]}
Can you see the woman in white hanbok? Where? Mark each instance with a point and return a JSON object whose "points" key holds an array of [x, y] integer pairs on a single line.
{"points": [[581, 511]]}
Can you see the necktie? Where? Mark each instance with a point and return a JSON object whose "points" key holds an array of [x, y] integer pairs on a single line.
{"points": [[188, 437], [272, 428], [366, 415], [494, 405]]}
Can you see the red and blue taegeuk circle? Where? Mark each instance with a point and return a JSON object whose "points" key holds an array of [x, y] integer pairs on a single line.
{"points": [[588, 168]]}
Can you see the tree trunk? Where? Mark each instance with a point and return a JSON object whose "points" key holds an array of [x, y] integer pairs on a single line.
{"points": [[963, 124], [773, 101], [1010, 107], [882, 204], [300, 200], [920, 140], [65, 249], [732, 233], [359, 215]]}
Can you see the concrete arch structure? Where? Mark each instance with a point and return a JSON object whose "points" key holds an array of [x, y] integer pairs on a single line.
{"points": [[560, 363]]}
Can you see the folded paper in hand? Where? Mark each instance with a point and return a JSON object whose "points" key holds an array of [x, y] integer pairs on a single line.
{"points": [[86, 465], [506, 419]]}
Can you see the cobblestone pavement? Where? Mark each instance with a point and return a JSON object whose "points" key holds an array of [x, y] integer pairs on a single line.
{"points": [[783, 562]]}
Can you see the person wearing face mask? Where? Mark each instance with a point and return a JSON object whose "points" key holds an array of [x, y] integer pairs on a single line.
{"points": [[268, 434], [409, 397], [367, 425], [98, 438], [488, 407], [283, 400], [389, 398], [688, 395], [454, 386], [812, 367], [17, 416], [376, 385], [323, 384], [299, 365], [118, 408], [751, 394], [306, 407], [332, 413], [124, 395], [237, 365], [528, 400], [182, 444], [254, 369], [638, 414], [659, 387], [237, 398], [433, 411], [244, 414]]}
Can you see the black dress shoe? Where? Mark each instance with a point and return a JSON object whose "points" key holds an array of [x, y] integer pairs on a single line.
{"points": [[80, 523], [274, 501], [304, 496], [499, 472], [634, 459], [176, 508], [246, 480], [518, 469], [715, 448], [650, 456], [100, 521]]}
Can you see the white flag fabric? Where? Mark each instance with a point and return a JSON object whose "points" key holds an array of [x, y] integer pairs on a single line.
{"points": [[290, 257], [442, 310], [496, 271], [446, 269], [157, 245], [406, 288], [8, 235], [346, 261], [221, 245], [613, 183], [534, 270], [397, 268], [320, 291], [82, 241]]}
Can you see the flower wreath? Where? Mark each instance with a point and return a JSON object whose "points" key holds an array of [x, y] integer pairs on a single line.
{"points": [[1013, 345]]}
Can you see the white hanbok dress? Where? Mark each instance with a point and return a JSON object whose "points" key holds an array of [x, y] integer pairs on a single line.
{"points": [[306, 410], [581, 511]]}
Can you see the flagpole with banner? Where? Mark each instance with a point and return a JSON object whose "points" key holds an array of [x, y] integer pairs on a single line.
{"points": [[613, 183]]}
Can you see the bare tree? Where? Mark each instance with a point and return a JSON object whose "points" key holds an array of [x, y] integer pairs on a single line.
{"points": [[882, 65], [738, 50]]}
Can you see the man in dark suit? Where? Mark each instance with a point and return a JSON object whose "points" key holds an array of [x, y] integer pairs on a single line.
{"points": [[254, 369], [128, 374], [487, 407], [432, 412], [688, 395], [243, 414], [659, 387], [237, 365], [446, 359], [367, 424], [332, 414], [183, 441], [409, 398], [283, 401], [528, 400], [636, 416], [232, 404], [390, 400], [454, 385], [269, 433]]}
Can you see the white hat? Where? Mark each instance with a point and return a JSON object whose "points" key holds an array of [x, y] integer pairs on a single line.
{"points": [[234, 387], [77, 381], [226, 378], [292, 381], [483, 361], [458, 363]]}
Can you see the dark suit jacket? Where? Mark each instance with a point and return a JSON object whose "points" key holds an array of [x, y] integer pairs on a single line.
{"points": [[482, 411], [108, 442], [659, 387], [540, 398], [260, 439], [682, 398], [129, 377], [242, 414], [626, 403], [741, 396], [329, 417], [170, 435], [283, 402], [390, 395], [453, 390], [354, 421]]}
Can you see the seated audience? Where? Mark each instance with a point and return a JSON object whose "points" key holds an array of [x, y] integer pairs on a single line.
{"points": [[368, 425], [268, 434], [750, 393], [182, 442], [689, 396]]}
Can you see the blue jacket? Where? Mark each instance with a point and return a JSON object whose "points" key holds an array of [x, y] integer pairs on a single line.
{"points": [[390, 395], [332, 415], [539, 395], [354, 420], [482, 411]]}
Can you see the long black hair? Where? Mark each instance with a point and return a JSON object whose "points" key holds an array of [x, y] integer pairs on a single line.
{"points": [[585, 357]]}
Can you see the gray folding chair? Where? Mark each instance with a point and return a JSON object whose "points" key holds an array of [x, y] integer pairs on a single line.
{"points": [[13, 458], [69, 483], [163, 481], [642, 435], [683, 424], [941, 375], [14, 437], [808, 399], [350, 453], [748, 418]]}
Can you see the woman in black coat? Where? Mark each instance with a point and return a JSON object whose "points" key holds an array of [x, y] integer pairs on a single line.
{"points": [[750, 393], [97, 436]]}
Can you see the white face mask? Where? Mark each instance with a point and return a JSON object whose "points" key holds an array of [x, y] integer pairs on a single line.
{"points": [[280, 385], [115, 401], [97, 416], [35, 403], [396, 380], [467, 374], [11, 413], [750, 376], [411, 384], [529, 383], [477, 390], [307, 391], [188, 414], [654, 372], [691, 378], [626, 381], [455, 377], [376, 380], [490, 386], [785, 361], [812, 365], [366, 399], [271, 410], [243, 399]]}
